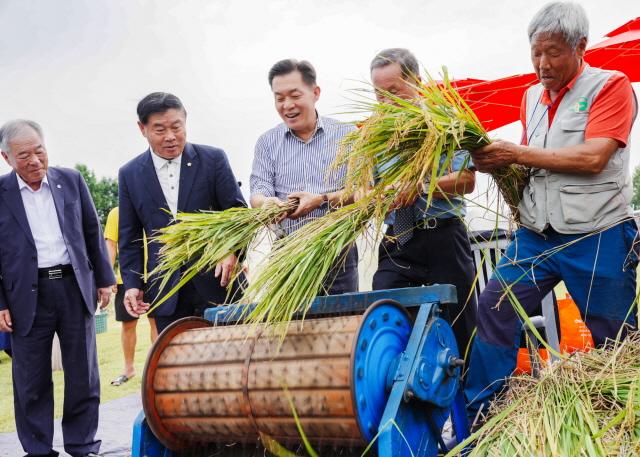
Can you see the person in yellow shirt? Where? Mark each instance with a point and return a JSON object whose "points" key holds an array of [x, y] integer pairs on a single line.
{"points": [[128, 333]]}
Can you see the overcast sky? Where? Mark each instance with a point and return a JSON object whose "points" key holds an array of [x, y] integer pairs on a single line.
{"points": [[80, 66]]}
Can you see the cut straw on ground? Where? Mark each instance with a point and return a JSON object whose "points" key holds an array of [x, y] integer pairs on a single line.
{"points": [[587, 405]]}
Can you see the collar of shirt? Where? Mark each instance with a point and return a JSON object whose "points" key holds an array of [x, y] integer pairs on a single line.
{"points": [[552, 106], [319, 126], [159, 162], [545, 98], [24, 185]]}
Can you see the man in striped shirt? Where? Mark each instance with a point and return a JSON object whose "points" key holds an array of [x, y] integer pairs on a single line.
{"points": [[292, 161]]}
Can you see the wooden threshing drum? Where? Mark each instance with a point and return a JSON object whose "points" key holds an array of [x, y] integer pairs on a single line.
{"points": [[222, 384]]}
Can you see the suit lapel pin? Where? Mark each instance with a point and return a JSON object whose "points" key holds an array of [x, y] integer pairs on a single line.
{"points": [[188, 164], [58, 186]]}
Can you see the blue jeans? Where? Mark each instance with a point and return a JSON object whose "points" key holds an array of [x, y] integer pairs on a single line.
{"points": [[599, 270]]}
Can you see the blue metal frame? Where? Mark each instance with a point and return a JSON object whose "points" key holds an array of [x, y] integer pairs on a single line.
{"points": [[144, 442], [425, 384], [356, 302]]}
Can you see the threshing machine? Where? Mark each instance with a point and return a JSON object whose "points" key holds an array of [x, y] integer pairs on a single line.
{"points": [[376, 367]]}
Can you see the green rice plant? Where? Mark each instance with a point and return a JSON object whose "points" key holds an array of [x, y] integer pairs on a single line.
{"points": [[401, 149], [411, 143], [301, 265], [586, 405], [197, 242]]}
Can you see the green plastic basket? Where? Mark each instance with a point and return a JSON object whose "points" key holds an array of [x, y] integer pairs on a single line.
{"points": [[101, 323]]}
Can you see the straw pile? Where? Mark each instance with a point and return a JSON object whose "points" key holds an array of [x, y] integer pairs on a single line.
{"points": [[587, 405]]}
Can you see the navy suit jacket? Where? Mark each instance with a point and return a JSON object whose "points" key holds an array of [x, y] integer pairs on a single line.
{"points": [[82, 234], [206, 183]]}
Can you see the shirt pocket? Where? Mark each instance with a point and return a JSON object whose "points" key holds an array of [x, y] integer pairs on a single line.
{"points": [[574, 123], [573, 128]]}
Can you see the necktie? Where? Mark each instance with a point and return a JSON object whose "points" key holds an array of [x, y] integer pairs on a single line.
{"points": [[403, 224]]}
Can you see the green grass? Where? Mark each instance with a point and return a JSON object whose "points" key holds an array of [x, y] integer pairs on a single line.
{"points": [[111, 365]]}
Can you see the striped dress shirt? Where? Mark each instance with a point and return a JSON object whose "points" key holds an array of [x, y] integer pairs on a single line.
{"points": [[283, 164]]}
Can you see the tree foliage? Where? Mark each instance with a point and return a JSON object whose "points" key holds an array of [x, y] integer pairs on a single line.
{"points": [[103, 191], [635, 201]]}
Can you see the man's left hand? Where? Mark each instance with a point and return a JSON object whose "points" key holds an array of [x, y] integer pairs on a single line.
{"points": [[495, 155], [224, 269], [307, 202], [104, 295], [5, 321], [406, 196]]}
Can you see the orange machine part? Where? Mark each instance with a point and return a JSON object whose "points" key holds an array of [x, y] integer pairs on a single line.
{"points": [[574, 335]]}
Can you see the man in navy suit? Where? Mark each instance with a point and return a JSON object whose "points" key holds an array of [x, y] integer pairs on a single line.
{"points": [[53, 268], [171, 176]]}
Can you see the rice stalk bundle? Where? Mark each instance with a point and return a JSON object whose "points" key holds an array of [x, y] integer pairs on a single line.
{"points": [[587, 405], [403, 143], [197, 242], [400, 148], [297, 267]]}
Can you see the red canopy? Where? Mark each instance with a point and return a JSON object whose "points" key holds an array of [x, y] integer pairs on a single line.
{"points": [[620, 52], [497, 102]]}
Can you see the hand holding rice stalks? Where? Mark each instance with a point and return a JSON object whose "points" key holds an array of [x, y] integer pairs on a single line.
{"points": [[197, 242], [412, 143], [404, 147], [298, 266]]}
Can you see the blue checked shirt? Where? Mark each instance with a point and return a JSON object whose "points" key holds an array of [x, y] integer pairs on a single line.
{"points": [[441, 208], [283, 164]]}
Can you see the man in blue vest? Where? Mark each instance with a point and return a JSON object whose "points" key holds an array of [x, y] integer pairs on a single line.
{"points": [[576, 223]]}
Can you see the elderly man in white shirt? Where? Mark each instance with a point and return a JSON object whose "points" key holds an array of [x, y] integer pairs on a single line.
{"points": [[53, 269]]}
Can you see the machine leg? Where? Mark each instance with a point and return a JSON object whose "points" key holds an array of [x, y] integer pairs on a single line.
{"points": [[459, 417], [533, 346], [144, 442]]}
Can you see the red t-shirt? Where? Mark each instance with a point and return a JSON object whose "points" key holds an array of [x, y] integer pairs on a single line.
{"points": [[610, 115]]}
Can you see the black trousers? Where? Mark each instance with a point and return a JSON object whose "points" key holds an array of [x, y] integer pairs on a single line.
{"points": [[441, 255], [60, 310], [192, 303], [343, 277]]}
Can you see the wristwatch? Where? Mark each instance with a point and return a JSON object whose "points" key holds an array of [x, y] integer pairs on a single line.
{"points": [[325, 201]]}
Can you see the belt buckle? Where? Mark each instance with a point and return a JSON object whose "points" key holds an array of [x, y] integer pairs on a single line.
{"points": [[431, 223], [55, 274]]}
